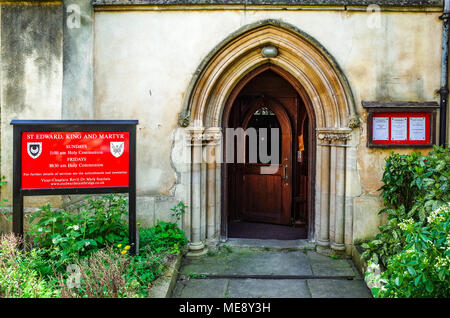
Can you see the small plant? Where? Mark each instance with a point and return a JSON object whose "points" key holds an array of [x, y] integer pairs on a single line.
{"points": [[195, 275], [211, 253], [227, 248], [162, 237], [178, 210]]}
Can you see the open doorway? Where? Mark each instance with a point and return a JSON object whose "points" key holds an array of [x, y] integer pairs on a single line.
{"points": [[271, 205]]}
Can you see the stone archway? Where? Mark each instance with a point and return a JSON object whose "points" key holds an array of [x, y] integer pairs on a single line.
{"points": [[328, 99]]}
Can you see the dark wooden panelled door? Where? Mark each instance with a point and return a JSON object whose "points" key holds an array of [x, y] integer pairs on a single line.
{"points": [[265, 189]]}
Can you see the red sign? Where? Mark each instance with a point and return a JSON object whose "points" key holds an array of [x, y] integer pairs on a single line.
{"points": [[55, 160], [401, 128]]}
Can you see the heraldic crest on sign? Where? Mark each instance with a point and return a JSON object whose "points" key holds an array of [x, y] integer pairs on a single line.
{"points": [[34, 149], [117, 148]]}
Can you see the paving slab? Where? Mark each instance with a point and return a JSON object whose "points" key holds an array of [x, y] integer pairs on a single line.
{"points": [[250, 262], [251, 273], [201, 288], [322, 265], [268, 288], [338, 288]]}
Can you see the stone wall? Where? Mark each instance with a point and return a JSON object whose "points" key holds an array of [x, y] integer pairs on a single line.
{"points": [[159, 52], [31, 73], [138, 63]]}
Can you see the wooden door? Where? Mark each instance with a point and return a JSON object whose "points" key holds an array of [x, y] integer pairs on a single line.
{"points": [[265, 189]]}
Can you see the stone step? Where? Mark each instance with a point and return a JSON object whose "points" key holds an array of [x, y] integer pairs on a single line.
{"points": [[269, 245]]}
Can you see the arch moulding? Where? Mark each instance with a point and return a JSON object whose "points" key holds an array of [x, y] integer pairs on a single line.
{"points": [[328, 99]]}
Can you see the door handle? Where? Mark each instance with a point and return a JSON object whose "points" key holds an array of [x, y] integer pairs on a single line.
{"points": [[285, 177]]}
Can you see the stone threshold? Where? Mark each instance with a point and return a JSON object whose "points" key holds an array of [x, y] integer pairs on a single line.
{"points": [[270, 245]]}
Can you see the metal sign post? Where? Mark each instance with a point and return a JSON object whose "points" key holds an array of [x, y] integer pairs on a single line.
{"points": [[61, 157]]}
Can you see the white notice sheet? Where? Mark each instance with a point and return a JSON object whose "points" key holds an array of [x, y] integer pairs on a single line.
{"points": [[399, 128], [417, 128], [380, 128]]}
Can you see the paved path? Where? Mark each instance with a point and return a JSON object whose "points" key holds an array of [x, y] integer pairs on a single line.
{"points": [[249, 273]]}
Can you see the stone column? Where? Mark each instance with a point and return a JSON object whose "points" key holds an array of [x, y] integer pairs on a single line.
{"points": [[323, 241], [338, 242], [196, 245], [186, 178], [332, 189], [332, 200], [212, 137]]}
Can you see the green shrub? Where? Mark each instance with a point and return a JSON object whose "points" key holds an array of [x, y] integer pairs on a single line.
{"points": [[163, 237], [422, 269], [68, 235], [412, 248], [414, 186]]}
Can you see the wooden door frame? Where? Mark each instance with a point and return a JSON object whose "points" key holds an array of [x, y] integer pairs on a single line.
{"points": [[311, 149]]}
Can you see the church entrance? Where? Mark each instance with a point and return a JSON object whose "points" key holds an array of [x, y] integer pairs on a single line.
{"points": [[268, 176]]}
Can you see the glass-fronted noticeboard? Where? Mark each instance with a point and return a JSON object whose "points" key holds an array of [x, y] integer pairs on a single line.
{"points": [[401, 124]]}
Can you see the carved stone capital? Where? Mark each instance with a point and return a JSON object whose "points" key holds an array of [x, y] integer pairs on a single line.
{"points": [[212, 135], [196, 135], [334, 135]]}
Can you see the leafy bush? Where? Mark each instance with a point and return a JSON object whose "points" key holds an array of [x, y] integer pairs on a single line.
{"points": [[423, 268], [414, 186], [412, 249], [165, 236], [68, 235], [162, 237]]}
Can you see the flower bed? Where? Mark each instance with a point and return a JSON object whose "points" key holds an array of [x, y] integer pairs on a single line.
{"points": [[85, 254]]}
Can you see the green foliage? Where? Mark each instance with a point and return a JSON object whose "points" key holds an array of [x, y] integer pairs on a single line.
{"points": [[178, 210], [86, 239], [422, 269], [4, 212], [143, 269], [195, 275], [226, 248], [414, 186], [163, 237], [68, 235], [18, 274], [412, 247]]}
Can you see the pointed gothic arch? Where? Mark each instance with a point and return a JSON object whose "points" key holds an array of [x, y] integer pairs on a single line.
{"points": [[313, 72]]}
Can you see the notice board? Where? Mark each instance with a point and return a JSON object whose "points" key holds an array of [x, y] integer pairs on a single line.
{"points": [[59, 157], [401, 124]]}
